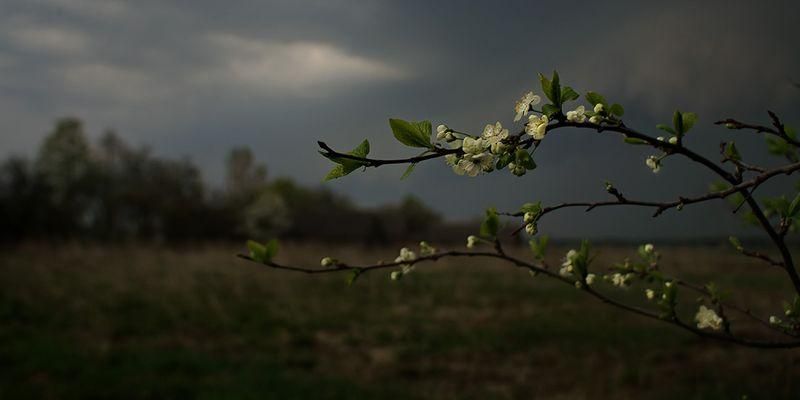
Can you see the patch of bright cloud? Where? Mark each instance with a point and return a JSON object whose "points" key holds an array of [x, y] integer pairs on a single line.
{"points": [[308, 68], [48, 40]]}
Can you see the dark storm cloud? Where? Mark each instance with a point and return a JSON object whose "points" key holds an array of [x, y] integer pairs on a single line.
{"points": [[198, 77]]}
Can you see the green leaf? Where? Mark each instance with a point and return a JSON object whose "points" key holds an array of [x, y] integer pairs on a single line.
{"points": [[665, 128], [732, 152], [790, 132], [352, 276], [550, 110], [688, 120], [539, 247], [271, 249], [593, 98], [794, 208], [547, 86], [677, 122], [719, 186], [347, 165], [490, 224], [631, 140], [535, 208], [556, 90], [414, 134], [257, 250], [262, 253], [409, 170], [503, 160], [616, 109], [568, 94], [523, 158]]}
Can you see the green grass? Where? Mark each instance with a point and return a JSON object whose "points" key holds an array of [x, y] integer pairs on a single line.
{"points": [[196, 323]]}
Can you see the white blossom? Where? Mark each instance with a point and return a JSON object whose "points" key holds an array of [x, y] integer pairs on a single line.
{"points": [[529, 217], [621, 280], [473, 145], [578, 284], [524, 104], [673, 140], [567, 266], [493, 136], [649, 248], [654, 163], [577, 115], [406, 255], [537, 126], [590, 278], [473, 164], [442, 131], [326, 262], [774, 320], [472, 241], [650, 294], [426, 249], [596, 119], [707, 318], [531, 229], [598, 107]]}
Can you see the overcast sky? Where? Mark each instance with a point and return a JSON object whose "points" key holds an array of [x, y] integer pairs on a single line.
{"points": [[196, 78]]}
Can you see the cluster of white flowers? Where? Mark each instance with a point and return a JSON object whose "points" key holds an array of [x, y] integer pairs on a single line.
{"points": [[568, 266], [406, 255], [480, 153], [707, 318], [426, 249], [654, 163], [590, 278], [443, 132], [620, 280], [597, 118], [537, 126], [530, 218], [577, 115]]}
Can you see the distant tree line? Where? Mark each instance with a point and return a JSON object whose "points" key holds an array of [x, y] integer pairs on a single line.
{"points": [[110, 191]]}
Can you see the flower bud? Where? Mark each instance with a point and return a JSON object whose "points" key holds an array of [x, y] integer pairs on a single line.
{"points": [[531, 229], [529, 217], [598, 107], [673, 140], [326, 262]]}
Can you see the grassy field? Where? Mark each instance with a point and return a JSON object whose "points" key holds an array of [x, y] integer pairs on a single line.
{"points": [[196, 323]]}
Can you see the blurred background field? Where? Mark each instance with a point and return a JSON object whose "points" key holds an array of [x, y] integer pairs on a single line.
{"points": [[87, 321]]}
